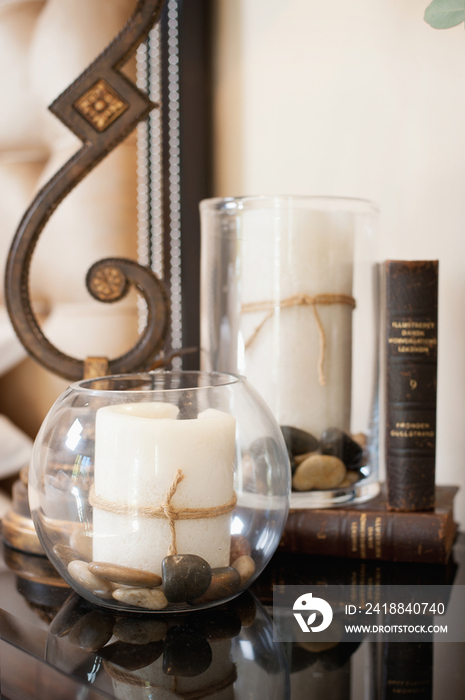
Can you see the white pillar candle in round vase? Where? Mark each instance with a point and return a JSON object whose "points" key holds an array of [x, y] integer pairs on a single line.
{"points": [[139, 448], [289, 256]]}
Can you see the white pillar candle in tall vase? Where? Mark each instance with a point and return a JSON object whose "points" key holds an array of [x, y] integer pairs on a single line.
{"points": [[296, 353], [139, 448]]}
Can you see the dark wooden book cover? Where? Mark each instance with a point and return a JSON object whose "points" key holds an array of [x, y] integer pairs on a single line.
{"points": [[372, 531], [411, 370]]}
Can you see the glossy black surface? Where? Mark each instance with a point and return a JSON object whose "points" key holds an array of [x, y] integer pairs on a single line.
{"points": [[54, 645]]}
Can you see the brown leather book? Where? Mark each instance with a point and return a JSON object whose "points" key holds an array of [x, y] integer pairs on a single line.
{"points": [[407, 669], [371, 531], [411, 370]]}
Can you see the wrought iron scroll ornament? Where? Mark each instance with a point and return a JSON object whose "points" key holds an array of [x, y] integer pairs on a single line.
{"points": [[101, 107]]}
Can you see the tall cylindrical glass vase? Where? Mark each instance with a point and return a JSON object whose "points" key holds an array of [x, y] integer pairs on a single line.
{"points": [[290, 299]]}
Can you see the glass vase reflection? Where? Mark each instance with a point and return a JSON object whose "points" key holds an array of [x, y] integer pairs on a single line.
{"points": [[227, 652], [159, 492]]}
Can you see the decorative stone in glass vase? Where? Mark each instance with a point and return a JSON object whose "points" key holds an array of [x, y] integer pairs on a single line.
{"points": [[164, 491]]}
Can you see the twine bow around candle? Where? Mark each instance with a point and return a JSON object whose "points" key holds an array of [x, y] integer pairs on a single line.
{"points": [[165, 510], [300, 300]]}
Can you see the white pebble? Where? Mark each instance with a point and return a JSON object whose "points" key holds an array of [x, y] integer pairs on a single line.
{"points": [[80, 572], [245, 565], [150, 598]]}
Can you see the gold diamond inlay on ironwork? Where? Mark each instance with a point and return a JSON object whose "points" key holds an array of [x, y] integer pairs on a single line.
{"points": [[101, 105]]}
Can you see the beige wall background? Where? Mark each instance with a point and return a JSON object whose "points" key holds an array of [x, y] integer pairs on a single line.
{"points": [[357, 98]]}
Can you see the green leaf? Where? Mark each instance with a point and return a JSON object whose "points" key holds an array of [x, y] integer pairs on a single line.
{"points": [[442, 14]]}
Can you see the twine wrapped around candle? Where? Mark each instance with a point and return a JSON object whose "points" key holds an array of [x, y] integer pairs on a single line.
{"points": [[164, 510], [299, 300]]}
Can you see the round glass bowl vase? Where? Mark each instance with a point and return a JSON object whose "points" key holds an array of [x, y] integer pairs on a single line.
{"points": [[165, 491], [290, 299]]}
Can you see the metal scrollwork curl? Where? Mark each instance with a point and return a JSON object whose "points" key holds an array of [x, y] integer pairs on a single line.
{"points": [[101, 107]]}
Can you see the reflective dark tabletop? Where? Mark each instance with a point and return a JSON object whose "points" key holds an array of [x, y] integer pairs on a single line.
{"points": [[55, 645]]}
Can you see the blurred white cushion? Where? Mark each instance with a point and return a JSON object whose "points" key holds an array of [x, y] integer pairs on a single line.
{"points": [[15, 448], [20, 115], [92, 328], [11, 350]]}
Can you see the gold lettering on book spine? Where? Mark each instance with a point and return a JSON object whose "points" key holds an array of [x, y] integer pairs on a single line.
{"points": [[411, 336], [354, 536], [371, 537], [363, 536], [378, 535]]}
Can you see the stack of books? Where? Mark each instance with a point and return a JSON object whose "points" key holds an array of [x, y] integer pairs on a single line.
{"points": [[372, 531], [412, 519]]}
